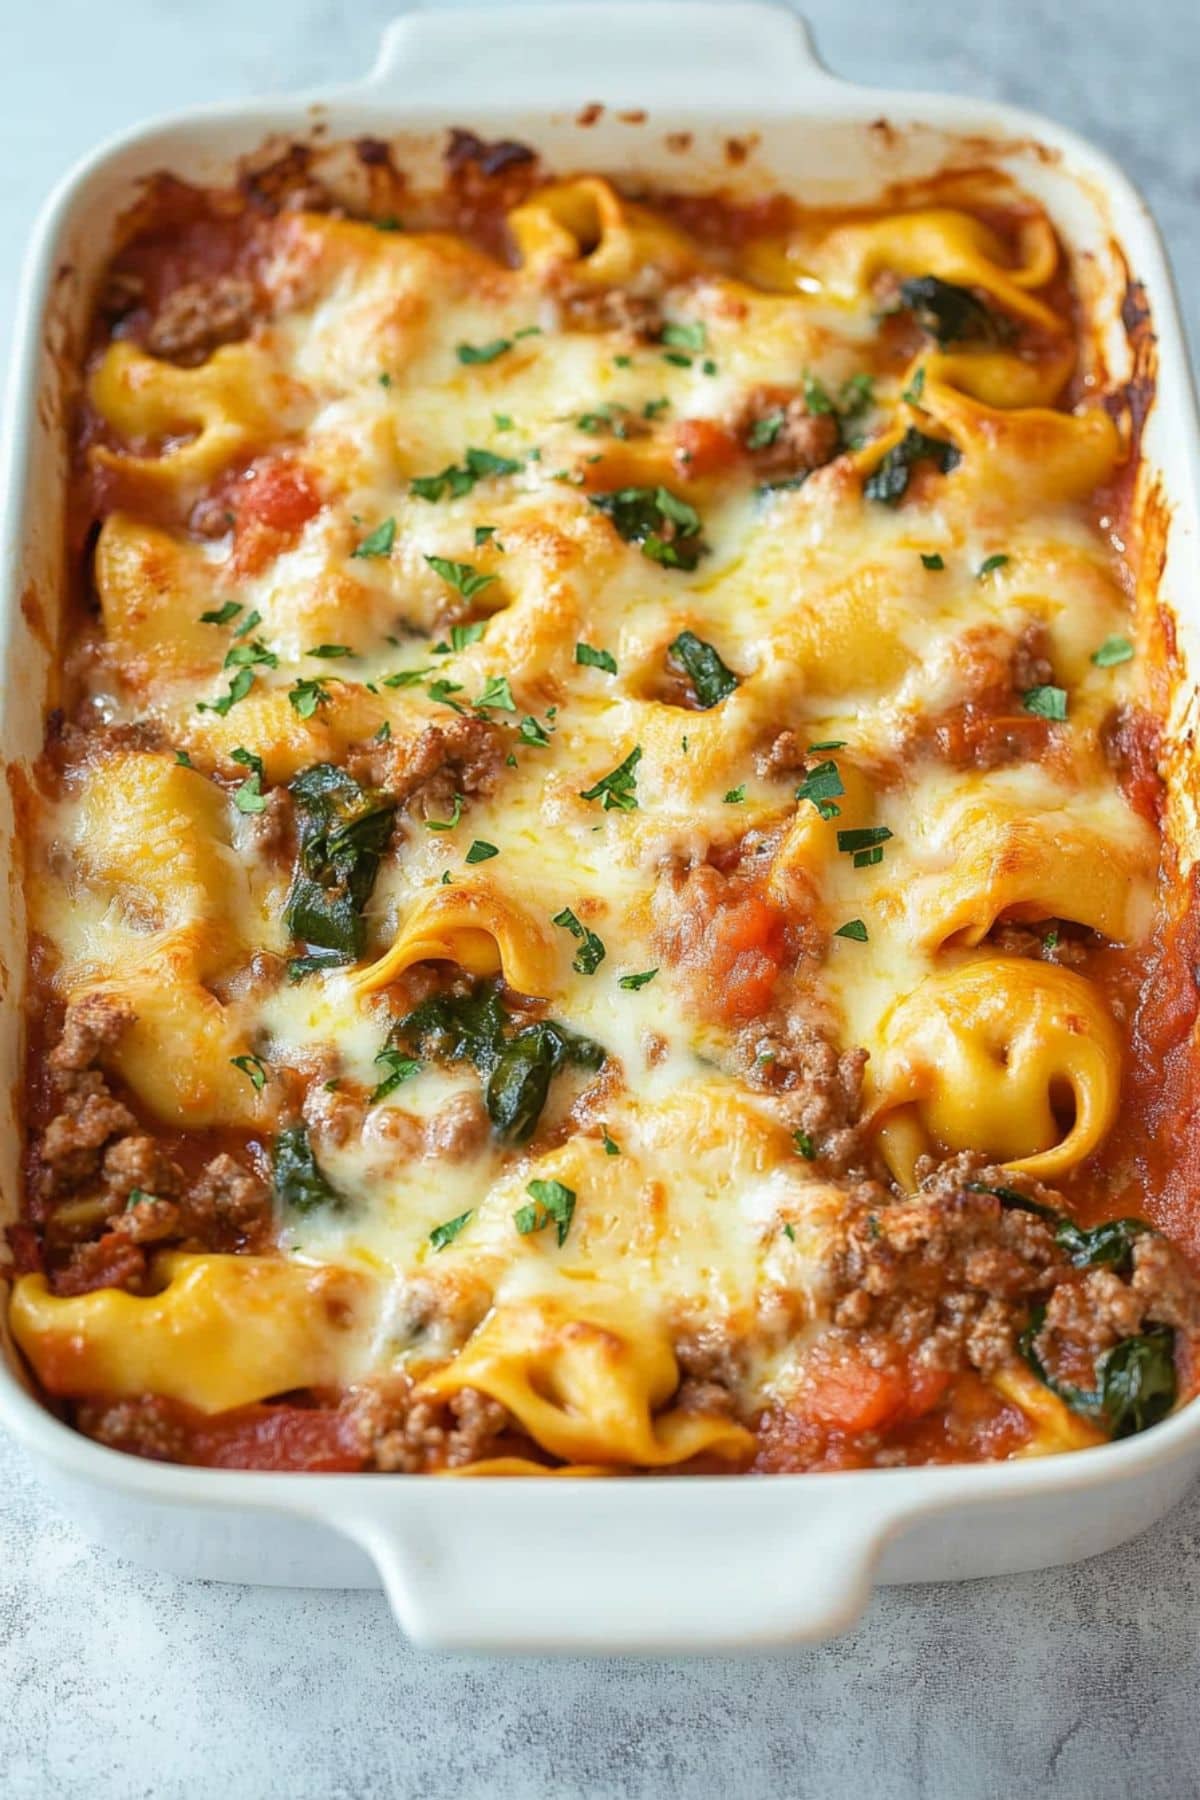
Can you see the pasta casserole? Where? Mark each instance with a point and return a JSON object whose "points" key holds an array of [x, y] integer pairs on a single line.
{"points": [[598, 882]]}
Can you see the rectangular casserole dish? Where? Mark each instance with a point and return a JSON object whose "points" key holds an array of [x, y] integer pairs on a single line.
{"points": [[693, 94]]}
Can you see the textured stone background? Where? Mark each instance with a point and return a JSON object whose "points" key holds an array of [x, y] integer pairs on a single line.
{"points": [[117, 1685]]}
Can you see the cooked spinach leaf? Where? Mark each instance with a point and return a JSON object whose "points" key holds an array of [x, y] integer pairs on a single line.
{"points": [[1009, 1197], [515, 1070], [1137, 1381], [301, 1185], [889, 482], [1102, 1246], [666, 527], [343, 830], [702, 665], [951, 314], [456, 1028]]}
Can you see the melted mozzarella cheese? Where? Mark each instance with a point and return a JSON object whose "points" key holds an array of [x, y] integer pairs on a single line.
{"points": [[817, 599]]}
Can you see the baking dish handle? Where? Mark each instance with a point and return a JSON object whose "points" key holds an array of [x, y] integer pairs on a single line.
{"points": [[583, 1566], [634, 53]]}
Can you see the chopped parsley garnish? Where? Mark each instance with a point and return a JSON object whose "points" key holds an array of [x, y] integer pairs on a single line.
{"points": [[711, 680], [889, 482], [685, 336], [735, 796], [407, 677], [631, 983], [854, 929], [378, 542], [654, 409], [855, 395], [460, 576], [502, 421], [441, 690], [441, 1235], [184, 760], [591, 952], [1046, 702], [459, 478], [496, 696], [481, 851], [618, 789], [483, 353], [708, 366], [239, 687], [665, 527], [788, 1232], [530, 732], [912, 394], [595, 659], [461, 636], [609, 417], [992, 562], [255, 1068], [816, 396], [330, 651], [932, 560], [1112, 651], [484, 535], [804, 1145], [384, 733], [223, 615], [255, 654], [307, 696], [865, 843], [553, 1203], [828, 744], [249, 797], [248, 624], [611, 1147], [823, 786], [765, 430], [451, 822]]}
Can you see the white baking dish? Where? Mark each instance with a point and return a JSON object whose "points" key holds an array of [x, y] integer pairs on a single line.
{"points": [[697, 1564]]}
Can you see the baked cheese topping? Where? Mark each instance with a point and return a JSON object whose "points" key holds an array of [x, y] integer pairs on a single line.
{"points": [[593, 778]]}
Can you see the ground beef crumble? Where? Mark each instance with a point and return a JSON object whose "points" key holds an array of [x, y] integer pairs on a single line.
{"points": [[950, 1276], [102, 1188], [784, 439], [404, 1432], [464, 756], [785, 754], [196, 318], [144, 1426], [817, 1087]]}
